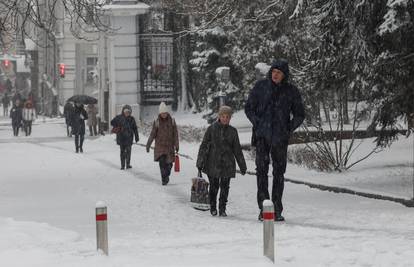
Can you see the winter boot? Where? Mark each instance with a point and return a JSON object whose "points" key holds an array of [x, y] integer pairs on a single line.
{"points": [[260, 218], [222, 213], [213, 211], [279, 218], [80, 149], [165, 180]]}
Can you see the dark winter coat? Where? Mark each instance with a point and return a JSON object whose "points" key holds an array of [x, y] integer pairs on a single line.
{"points": [[269, 108], [5, 101], [77, 121], [165, 133], [16, 115], [128, 129], [67, 112], [218, 151]]}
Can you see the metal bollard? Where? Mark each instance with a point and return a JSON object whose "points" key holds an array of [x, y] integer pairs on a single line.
{"points": [[101, 227], [268, 230]]}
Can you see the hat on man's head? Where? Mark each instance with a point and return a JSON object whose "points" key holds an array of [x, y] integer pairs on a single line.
{"points": [[163, 108], [225, 110]]}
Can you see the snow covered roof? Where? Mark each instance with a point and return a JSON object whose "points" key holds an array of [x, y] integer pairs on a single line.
{"points": [[127, 10]]}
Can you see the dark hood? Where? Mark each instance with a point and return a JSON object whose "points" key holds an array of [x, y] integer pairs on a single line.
{"points": [[281, 65]]}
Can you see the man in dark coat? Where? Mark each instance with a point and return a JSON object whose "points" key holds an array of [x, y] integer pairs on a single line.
{"points": [[216, 158], [77, 122], [126, 130], [67, 112], [269, 107], [16, 115]]}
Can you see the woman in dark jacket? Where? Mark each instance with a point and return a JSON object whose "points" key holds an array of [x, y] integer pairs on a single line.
{"points": [[16, 114], [79, 116], [216, 158], [126, 129]]}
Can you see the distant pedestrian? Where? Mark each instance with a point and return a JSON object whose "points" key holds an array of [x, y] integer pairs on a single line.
{"points": [[79, 116], [6, 103], [92, 119], [29, 115], [68, 110], [217, 156], [275, 109], [126, 129], [164, 131], [16, 117]]}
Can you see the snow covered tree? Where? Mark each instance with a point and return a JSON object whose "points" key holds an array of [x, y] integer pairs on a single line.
{"points": [[393, 72], [20, 18]]}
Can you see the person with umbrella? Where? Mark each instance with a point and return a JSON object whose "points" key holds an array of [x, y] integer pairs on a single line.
{"points": [[79, 116]]}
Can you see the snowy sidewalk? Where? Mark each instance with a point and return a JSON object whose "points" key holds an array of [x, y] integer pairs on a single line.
{"points": [[50, 193]]}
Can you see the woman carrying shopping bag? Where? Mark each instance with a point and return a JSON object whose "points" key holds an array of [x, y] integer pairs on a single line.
{"points": [[216, 158]]}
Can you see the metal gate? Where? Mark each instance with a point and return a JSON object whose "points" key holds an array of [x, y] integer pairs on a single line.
{"points": [[157, 69]]}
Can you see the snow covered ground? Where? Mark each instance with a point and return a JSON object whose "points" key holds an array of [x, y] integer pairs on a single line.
{"points": [[48, 195]]}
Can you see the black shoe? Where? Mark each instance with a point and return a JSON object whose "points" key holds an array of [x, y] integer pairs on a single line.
{"points": [[129, 166], [81, 150], [165, 180], [222, 213], [122, 168], [279, 218], [213, 212], [260, 218], [77, 150]]}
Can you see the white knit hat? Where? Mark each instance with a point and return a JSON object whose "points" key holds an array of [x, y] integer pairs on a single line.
{"points": [[163, 108]]}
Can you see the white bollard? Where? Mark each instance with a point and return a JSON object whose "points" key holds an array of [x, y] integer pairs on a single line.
{"points": [[102, 227], [268, 230]]}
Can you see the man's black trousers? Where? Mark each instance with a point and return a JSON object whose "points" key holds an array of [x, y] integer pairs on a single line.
{"points": [[278, 154]]}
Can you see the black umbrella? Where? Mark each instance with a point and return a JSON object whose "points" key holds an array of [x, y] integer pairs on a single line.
{"points": [[83, 99]]}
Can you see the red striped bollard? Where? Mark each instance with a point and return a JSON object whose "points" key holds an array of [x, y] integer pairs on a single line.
{"points": [[268, 230], [102, 227]]}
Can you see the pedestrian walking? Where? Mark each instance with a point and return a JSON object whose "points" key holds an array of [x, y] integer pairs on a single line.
{"points": [[68, 110], [77, 123], [29, 115], [6, 103], [217, 156], [275, 109], [126, 129], [92, 119], [164, 132], [16, 117]]}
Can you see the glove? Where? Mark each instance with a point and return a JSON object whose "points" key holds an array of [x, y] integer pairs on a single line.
{"points": [[243, 172], [148, 149]]}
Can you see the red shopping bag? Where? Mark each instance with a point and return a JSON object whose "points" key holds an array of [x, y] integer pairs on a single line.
{"points": [[177, 164]]}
